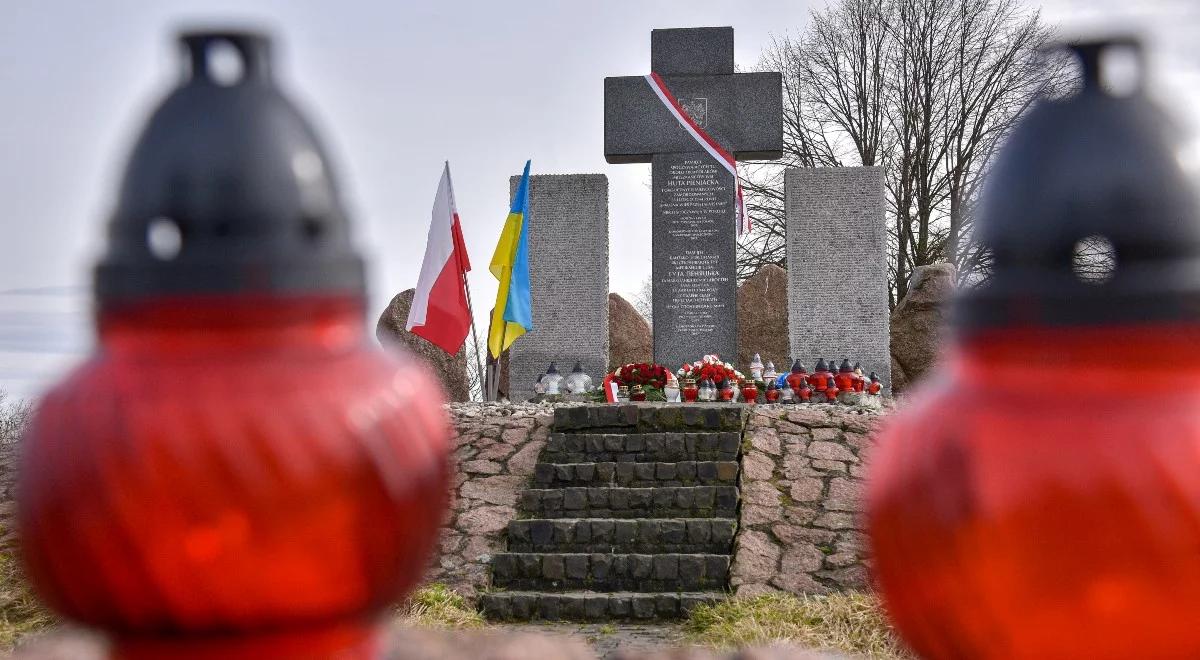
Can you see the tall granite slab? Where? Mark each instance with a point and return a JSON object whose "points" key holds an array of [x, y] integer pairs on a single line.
{"points": [[694, 268], [837, 266], [568, 279], [694, 228]]}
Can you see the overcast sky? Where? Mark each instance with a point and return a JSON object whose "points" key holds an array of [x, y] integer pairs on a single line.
{"points": [[394, 89]]}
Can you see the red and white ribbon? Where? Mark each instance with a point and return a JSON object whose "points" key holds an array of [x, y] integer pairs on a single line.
{"points": [[710, 145]]}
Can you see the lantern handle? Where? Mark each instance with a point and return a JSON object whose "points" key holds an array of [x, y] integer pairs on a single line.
{"points": [[253, 48], [1091, 57]]}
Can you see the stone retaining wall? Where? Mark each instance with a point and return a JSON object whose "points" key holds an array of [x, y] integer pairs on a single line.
{"points": [[496, 447], [799, 531]]}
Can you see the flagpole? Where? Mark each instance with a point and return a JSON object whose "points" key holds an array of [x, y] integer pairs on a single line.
{"points": [[500, 357], [494, 366], [488, 394], [474, 336], [460, 249]]}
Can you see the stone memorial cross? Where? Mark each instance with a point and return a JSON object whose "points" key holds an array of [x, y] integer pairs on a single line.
{"points": [[694, 219]]}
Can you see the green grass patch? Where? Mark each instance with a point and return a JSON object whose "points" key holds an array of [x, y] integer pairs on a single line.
{"points": [[846, 622], [438, 606]]}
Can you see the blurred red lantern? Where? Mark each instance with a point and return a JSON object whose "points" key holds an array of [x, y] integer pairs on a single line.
{"points": [[1012, 518], [234, 473]]}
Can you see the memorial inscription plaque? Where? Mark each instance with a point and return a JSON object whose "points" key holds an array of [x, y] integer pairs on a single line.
{"points": [[695, 276], [694, 217]]}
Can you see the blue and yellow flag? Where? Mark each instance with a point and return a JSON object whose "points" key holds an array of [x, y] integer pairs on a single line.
{"points": [[512, 315]]}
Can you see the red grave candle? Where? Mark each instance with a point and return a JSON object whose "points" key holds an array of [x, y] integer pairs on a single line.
{"points": [[235, 473], [689, 390], [750, 392], [1011, 521]]}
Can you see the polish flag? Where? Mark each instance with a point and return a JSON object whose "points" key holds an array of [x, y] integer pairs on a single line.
{"points": [[440, 312]]}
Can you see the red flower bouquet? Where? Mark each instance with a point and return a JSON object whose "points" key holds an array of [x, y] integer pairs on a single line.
{"points": [[651, 377], [641, 373], [712, 368]]}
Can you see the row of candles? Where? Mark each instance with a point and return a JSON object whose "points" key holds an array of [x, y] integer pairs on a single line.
{"points": [[824, 384]]}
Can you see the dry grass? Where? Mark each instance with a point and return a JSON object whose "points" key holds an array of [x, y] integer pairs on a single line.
{"points": [[438, 606], [846, 622], [21, 614]]}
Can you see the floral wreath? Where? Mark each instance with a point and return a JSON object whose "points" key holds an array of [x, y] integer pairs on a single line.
{"points": [[646, 374], [710, 367]]}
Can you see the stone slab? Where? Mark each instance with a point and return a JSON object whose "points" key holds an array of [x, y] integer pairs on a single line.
{"points": [[837, 266], [703, 50], [694, 259], [568, 279]]}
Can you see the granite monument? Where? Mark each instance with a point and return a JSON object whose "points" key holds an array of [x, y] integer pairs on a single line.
{"points": [[837, 266], [693, 210], [568, 279]]}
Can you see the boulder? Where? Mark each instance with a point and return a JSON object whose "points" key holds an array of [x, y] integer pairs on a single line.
{"points": [[629, 336], [918, 324], [762, 308], [450, 370]]}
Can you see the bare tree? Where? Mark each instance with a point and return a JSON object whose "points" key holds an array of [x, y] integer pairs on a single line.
{"points": [[833, 94], [14, 417], [927, 89], [643, 299], [476, 357]]}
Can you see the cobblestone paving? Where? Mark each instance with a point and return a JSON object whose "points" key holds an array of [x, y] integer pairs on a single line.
{"points": [[607, 639]]}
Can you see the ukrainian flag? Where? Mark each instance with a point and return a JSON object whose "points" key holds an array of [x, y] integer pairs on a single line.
{"points": [[512, 316]]}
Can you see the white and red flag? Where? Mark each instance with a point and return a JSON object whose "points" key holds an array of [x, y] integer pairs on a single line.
{"points": [[441, 311], [706, 142]]}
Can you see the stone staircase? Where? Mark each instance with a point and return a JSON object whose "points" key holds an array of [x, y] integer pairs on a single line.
{"points": [[631, 516]]}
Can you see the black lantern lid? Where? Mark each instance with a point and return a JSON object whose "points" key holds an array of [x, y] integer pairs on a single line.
{"points": [[821, 366], [798, 368], [578, 368], [553, 369], [1094, 169], [227, 190]]}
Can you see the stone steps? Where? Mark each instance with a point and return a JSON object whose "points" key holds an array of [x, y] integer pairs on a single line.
{"points": [[641, 447], [635, 475], [623, 536], [630, 516], [619, 502], [649, 417], [589, 606], [609, 572]]}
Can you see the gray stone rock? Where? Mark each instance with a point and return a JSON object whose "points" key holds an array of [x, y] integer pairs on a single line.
{"points": [[451, 370], [918, 324]]}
